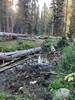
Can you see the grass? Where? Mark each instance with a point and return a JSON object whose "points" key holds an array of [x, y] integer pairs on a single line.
{"points": [[4, 95], [66, 64], [13, 45], [67, 61], [58, 83], [16, 45]]}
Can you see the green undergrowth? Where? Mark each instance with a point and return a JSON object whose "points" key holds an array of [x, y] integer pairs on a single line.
{"points": [[65, 66], [5, 95], [16, 45], [48, 42], [59, 82], [67, 60], [8, 96], [58, 43]]}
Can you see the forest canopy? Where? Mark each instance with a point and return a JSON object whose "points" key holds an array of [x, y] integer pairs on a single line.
{"points": [[24, 16]]}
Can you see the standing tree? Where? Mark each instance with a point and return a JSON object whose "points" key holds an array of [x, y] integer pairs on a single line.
{"points": [[58, 15], [67, 16], [44, 20], [34, 15], [72, 25], [2, 15], [27, 16], [23, 17]]}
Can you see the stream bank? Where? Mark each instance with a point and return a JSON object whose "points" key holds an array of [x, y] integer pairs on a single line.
{"points": [[28, 79]]}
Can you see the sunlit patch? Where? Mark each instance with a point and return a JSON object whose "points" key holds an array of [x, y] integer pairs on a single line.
{"points": [[10, 0], [14, 8], [41, 4], [15, 2], [14, 5]]}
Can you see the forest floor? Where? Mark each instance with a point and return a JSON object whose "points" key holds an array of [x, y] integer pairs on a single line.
{"points": [[32, 81], [13, 45], [28, 80], [34, 84]]}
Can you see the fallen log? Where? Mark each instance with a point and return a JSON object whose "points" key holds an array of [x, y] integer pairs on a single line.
{"points": [[26, 67], [18, 54], [18, 60], [12, 34]]}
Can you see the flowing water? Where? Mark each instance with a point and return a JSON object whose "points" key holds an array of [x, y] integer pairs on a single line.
{"points": [[42, 58]]}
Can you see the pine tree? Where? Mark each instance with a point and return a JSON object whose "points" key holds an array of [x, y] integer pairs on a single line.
{"points": [[26, 18], [72, 25], [45, 18], [34, 15], [2, 15], [58, 15]]}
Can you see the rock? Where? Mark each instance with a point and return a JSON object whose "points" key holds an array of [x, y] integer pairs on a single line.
{"points": [[33, 82], [52, 49], [21, 90], [61, 94], [19, 68]]}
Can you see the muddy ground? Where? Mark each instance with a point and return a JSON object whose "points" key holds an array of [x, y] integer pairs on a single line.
{"points": [[28, 79]]}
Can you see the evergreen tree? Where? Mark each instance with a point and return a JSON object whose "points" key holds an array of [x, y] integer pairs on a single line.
{"points": [[27, 15], [2, 15], [34, 15], [58, 15], [45, 18], [72, 25]]}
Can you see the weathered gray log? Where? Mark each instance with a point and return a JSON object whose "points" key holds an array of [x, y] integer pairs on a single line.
{"points": [[12, 34], [32, 67], [18, 54]]}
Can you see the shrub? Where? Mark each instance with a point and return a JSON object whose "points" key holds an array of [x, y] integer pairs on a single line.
{"points": [[48, 42], [56, 84], [63, 42], [67, 61], [72, 96]]}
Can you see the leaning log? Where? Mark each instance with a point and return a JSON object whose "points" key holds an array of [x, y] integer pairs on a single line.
{"points": [[18, 54]]}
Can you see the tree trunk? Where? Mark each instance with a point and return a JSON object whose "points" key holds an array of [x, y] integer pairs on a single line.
{"points": [[7, 23], [18, 54], [0, 27], [12, 34]]}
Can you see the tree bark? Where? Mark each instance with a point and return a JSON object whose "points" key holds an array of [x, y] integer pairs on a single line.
{"points": [[0, 27], [12, 34], [7, 23], [18, 54]]}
